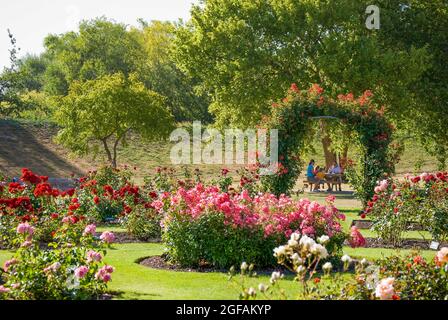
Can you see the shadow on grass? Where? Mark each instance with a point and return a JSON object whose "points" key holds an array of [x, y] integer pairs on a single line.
{"points": [[131, 295]]}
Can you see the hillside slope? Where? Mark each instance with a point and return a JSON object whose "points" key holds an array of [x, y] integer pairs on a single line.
{"points": [[25, 145]]}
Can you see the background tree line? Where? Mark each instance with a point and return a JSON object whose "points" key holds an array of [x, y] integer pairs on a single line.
{"points": [[233, 58]]}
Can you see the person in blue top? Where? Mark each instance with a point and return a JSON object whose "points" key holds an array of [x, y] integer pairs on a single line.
{"points": [[312, 179]]}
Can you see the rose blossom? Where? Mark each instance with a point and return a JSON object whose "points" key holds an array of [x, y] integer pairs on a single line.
{"points": [[442, 255], [94, 256], [107, 237], [53, 267], [9, 263], [90, 229], [104, 273], [81, 272], [4, 289], [385, 289], [24, 228]]}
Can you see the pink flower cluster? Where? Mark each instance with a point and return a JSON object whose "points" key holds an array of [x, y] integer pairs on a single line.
{"points": [[81, 272], [356, 239], [382, 186], [90, 229], [107, 237], [93, 256], [104, 274], [275, 215], [9, 263], [25, 228]]}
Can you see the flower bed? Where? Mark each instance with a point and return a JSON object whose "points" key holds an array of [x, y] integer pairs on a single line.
{"points": [[205, 225]]}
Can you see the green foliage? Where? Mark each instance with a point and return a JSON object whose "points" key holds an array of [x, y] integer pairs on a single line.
{"points": [[143, 223], [106, 109], [207, 239], [422, 24], [398, 206], [247, 52], [292, 117], [100, 48], [160, 73]]}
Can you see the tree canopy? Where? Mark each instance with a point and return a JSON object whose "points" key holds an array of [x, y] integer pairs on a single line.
{"points": [[106, 109], [247, 52]]}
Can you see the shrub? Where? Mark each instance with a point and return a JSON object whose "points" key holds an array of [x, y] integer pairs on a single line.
{"points": [[206, 225], [421, 200], [69, 268], [143, 223]]}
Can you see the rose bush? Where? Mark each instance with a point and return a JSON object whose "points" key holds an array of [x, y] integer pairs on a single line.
{"points": [[392, 278], [203, 224], [398, 206], [70, 267]]}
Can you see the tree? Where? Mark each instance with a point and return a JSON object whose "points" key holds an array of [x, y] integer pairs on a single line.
{"points": [[106, 109], [10, 83], [101, 47], [248, 52], [160, 73], [422, 24]]}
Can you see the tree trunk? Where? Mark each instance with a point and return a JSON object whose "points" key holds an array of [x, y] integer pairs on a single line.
{"points": [[109, 154], [344, 157], [330, 157]]}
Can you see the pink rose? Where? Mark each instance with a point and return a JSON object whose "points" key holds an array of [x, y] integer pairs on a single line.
{"points": [[9, 263], [157, 205], [90, 229], [81, 272], [385, 289], [104, 273], [442, 255], [53, 267], [107, 237], [4, 289], [25, 228], [93, 256], [356, 239]]}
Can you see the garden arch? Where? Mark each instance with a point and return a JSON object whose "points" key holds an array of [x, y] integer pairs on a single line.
{"points": [[292, 119]]}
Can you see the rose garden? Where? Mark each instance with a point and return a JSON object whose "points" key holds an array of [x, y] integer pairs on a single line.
{"points": [[187, 231]]}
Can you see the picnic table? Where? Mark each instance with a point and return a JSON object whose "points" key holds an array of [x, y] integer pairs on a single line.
{"points": [[335, 179]]}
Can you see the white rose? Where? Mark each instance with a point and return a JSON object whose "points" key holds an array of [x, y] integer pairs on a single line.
{"points": [[279, 251], [306, 242], [323, 239], [292, 243], [244, 266], [295, 236], [319, 251], [300, 269], [327, 266], [296, 259], [346, 258]]}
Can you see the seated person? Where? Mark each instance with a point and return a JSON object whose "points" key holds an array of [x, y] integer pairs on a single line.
{"points": [[335, 169], [310, 176], [321, 177]]}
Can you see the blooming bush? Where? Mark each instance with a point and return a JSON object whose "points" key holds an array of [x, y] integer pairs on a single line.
{"points": [[398, 206], [69, 268], [35, 201], [144, 223], [204, 224], [360, 115], [392, 278], [408, 278]]}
